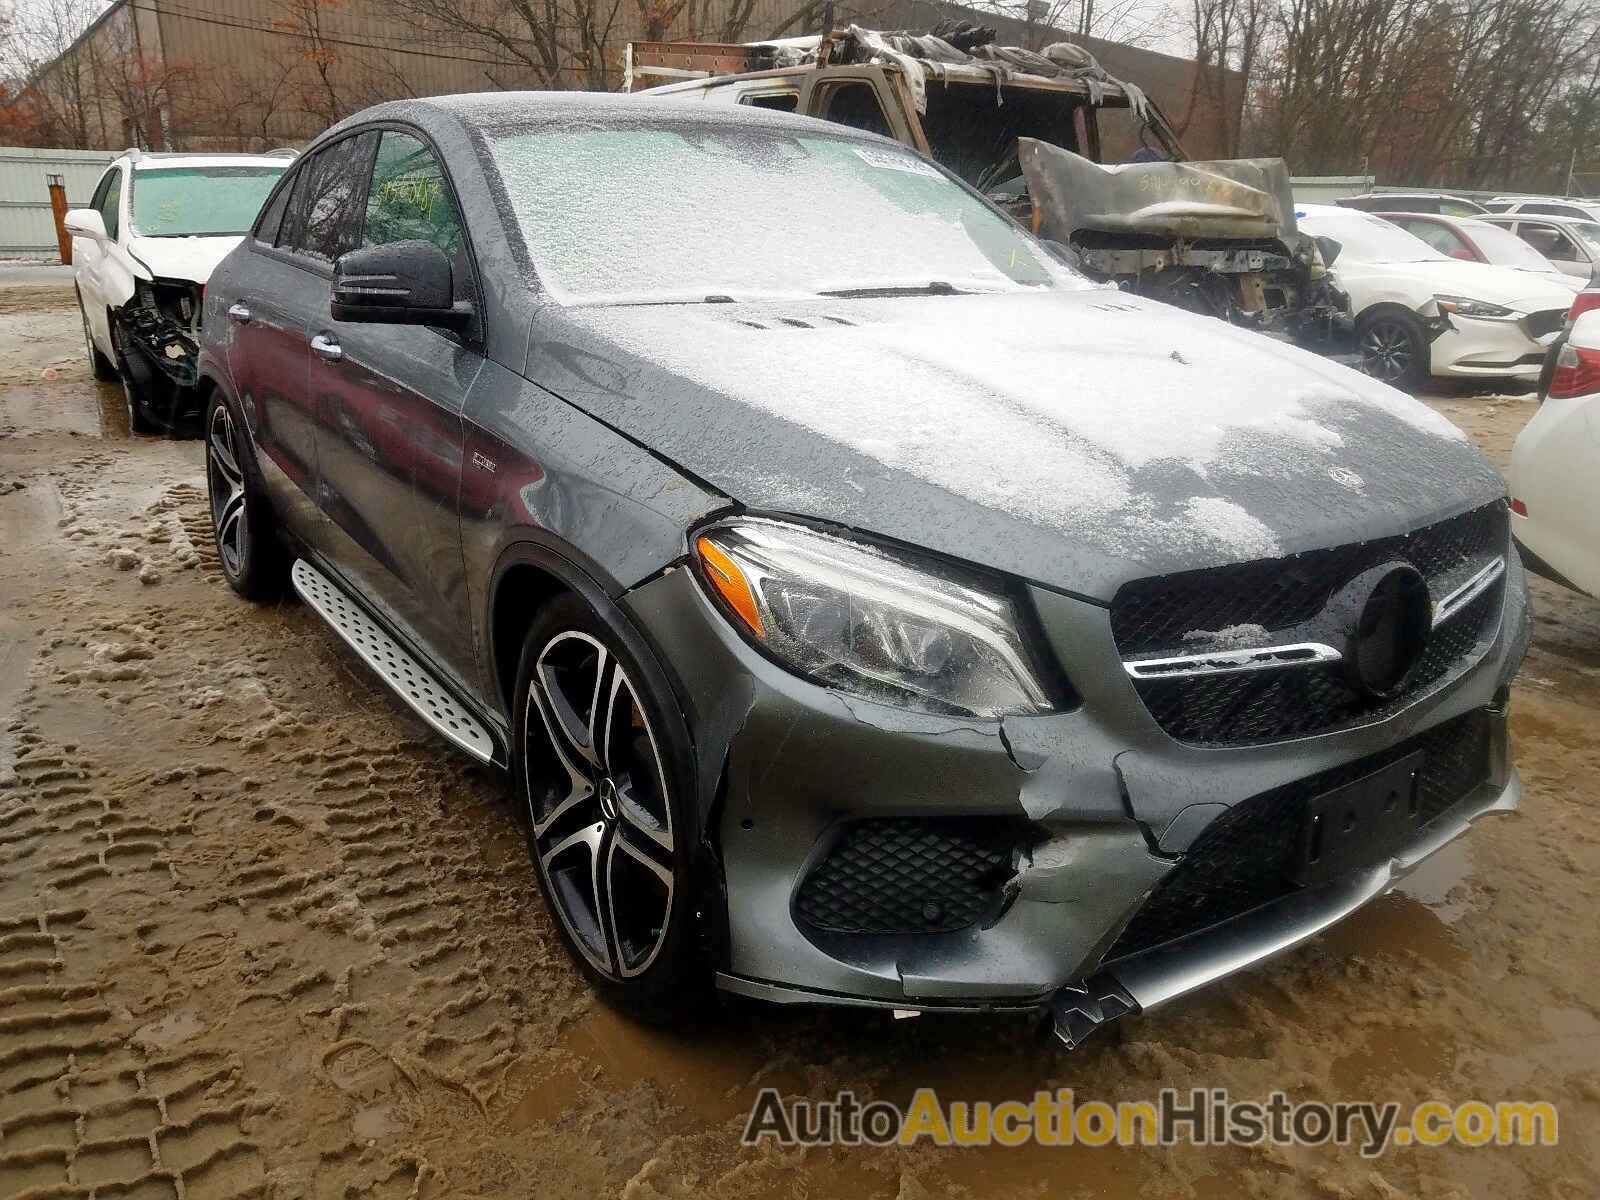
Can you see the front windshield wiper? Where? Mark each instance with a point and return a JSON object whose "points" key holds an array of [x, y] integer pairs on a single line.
{"points": [[936, 287]]}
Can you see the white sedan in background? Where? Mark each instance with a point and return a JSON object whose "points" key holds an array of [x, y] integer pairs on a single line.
{"points": [[1555, 468], [1419, 312], [141, 254]]}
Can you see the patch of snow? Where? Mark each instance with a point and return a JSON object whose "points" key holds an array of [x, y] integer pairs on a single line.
{"points": [[600, 234], [1051, 409], [1233, 637]]}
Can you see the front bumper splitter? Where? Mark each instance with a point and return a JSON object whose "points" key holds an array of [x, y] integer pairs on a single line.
{"points": [[1148, 980]]}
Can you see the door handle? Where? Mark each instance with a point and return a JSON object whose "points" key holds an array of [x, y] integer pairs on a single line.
{"points": [[239, 313], [324, 346]]}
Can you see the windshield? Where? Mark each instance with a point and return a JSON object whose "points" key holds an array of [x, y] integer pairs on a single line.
{"points": [[199, 201], [690, 213], [1369, 239], [1506, 249]]}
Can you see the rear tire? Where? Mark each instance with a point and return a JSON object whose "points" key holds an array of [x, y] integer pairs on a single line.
{"points": [[244, 528], [602, 770], [102, 367], [1394, 348]]}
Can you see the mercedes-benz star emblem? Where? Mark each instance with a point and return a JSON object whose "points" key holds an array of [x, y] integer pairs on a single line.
{"points": [[608, 798], [1387, 615]]}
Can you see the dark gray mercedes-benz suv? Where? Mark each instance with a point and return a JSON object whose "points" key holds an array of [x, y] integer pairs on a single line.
{"points": [[867, 609]]}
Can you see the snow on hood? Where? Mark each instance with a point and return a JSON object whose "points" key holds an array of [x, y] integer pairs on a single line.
{"points": [[1075, 439], [192, 258]]}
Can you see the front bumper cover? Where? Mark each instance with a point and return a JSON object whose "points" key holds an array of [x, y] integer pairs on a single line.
{"points": [[1106, 792]]}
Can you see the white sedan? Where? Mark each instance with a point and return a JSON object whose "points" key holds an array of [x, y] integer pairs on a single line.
{"points": [[1419, 312], [1555, 468], [141, 254]]}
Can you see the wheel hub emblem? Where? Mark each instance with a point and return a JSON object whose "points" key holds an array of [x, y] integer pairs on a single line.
{"points": [[608, 798]]}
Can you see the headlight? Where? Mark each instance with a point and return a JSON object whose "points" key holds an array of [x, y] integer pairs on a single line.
{"points": [[860, 620], [1461, 306]]}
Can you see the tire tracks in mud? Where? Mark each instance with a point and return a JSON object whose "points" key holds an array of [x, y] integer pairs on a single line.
{"points": [[249, 970]]}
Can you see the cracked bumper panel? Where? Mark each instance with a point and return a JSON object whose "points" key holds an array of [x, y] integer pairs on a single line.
{"points": [[798, 767], [803, 767], [1482, 348]]}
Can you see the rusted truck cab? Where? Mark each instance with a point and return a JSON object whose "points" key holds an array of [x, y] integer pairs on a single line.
{"points": [[969, 121], [1083, 159]]}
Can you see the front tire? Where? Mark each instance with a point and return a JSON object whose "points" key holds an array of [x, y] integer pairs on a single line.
{"points": [[1394, 348], [601, 764], [137, 385], [102, 367], [243, 525]]}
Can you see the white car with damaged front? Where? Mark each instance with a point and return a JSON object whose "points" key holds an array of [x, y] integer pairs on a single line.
{"points": [[1420, 313], [1555, 468], [142, 251]]}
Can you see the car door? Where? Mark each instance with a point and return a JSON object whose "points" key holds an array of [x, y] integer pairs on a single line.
{"points": [[1557, 245], [92, 258], [271, 299], [866, 98], [390, 399]]}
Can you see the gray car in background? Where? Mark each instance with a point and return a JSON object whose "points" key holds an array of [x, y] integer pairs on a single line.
{"points": [[866, 609]]}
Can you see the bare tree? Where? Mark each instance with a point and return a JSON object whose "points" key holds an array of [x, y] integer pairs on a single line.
{"points": [[1131, 22], [54, 81], [1413, 91]]}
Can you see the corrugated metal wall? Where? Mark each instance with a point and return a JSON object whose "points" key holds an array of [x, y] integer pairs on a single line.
{"points": [[26, 224]]}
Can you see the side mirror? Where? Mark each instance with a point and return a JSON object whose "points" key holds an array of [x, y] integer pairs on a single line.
{"points": [[399, 283], [1330, 250], [85, 222]]}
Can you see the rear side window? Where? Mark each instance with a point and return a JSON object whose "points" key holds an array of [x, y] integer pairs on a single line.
{"points": [[1546, 239], [1553, 210], [410, 200], [108, 199], [329, 210], [776, 101], [272, 219], [1440, 238]]}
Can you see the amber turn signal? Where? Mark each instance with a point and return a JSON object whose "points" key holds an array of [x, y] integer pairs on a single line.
{"points": [[724, 575]]}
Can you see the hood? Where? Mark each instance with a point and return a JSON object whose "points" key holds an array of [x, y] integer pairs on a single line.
{"points": [[1075, 439], [191, 258], [1525, 291]]}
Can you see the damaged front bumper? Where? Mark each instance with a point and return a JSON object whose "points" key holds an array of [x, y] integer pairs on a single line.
{"points": [[1146, 981], [161, 322], [1057, 828]]}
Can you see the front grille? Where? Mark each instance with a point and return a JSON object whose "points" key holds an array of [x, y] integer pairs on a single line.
{"points": [[1158, 616], [909, 875], [1245, 857], [1269, 706], [1548, 321]]}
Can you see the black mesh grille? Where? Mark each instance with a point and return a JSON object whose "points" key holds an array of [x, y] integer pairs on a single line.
{"points": [[903, 875], [1243, 859], [1153, 615], [1267, 706]]}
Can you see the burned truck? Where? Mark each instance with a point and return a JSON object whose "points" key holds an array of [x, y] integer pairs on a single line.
{"points": [[1084, 159]]}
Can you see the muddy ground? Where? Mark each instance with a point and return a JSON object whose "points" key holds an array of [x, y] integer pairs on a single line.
{"points": [[260, 934]]}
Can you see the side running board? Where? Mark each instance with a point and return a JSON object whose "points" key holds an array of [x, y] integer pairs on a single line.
{"points": [[393, 663]]}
